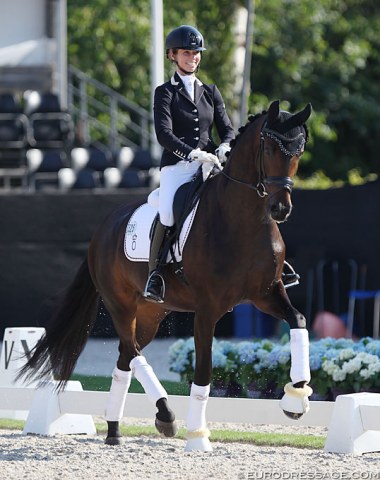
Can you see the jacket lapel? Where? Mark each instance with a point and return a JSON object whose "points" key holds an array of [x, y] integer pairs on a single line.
{"points": [[198, 91], [179, 86]]}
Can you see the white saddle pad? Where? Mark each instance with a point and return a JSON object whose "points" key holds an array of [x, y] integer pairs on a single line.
{"points": [[136, 240]]}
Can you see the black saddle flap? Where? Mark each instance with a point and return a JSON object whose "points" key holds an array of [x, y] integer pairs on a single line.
{"points": [[186, 197]]}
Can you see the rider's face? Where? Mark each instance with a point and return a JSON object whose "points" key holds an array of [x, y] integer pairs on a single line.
{"points": [[187, 60]]}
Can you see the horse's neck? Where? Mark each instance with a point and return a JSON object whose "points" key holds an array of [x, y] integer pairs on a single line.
{"points": [[242, 163], [235, 206], [240, 197]]}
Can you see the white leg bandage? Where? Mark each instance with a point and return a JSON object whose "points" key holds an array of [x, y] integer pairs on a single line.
{"points": [[146, 376], [299, 350], [196, 418], [121, 381]]}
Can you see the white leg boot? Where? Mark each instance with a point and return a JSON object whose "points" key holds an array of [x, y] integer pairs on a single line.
{"points": [[165, 419], [295, 402], [146, 376], [121, 381], [197, 431]]}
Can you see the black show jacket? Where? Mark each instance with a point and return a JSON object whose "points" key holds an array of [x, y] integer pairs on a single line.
{"points": [[182, 124]]}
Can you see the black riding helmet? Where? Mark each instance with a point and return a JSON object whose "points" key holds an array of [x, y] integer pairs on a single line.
{"points": [[185, 37]]}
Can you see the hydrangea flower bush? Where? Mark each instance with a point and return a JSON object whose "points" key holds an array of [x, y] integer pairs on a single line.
{"points": [[264, 365]]}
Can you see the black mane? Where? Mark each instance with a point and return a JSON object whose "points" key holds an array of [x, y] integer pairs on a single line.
{"points": [[251, 119]]}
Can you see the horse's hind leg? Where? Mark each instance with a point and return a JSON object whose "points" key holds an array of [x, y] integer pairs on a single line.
{"points": [[124, 322], [132, 362], [149, 317], [121, 381]]}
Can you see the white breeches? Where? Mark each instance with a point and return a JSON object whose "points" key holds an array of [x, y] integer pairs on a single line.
{"points": [[171, 178]]}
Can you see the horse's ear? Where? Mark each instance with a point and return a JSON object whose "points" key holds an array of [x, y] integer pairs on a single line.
{"points": [[273, 112], [297, 119], [301, 117]]}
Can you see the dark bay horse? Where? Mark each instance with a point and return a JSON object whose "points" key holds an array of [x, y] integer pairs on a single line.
{"points": [[234, 254]]}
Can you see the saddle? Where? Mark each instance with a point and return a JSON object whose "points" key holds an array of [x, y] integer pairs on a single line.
{"points": [[185, 199]]}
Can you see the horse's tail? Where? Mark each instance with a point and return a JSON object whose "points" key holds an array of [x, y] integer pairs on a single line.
{"points": [[66, 334]]}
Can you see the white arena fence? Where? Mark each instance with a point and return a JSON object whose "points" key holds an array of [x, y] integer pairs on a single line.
{"points": [[353, 420]]}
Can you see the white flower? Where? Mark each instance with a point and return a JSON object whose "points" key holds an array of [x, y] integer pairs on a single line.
{"points": [[329, 366], [338, 375], [365, 373], [219, 359], [352, 366], [346, 354], [374, 367], [181, 355]]}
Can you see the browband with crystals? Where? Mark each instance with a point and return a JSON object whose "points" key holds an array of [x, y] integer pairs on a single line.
{"points": [[279, 139]]}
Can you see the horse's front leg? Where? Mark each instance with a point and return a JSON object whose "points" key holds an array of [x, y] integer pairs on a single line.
{"points": [[295, 402], [197, 431]]}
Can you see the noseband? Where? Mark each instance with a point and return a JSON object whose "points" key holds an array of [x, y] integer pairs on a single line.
{"points": [[285, 183]]}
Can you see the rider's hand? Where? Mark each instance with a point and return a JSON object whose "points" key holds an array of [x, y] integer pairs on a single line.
{"points": [[203, 157], [221, 152]]}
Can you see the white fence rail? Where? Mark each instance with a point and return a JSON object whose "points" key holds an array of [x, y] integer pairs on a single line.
{"points": [[226, 410], [353, 420]]}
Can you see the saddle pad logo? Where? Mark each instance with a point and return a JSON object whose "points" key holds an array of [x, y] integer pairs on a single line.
{"points": [[132, 232], [131, 228]]}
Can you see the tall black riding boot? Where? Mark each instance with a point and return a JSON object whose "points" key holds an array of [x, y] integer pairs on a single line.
{"points": [[155, 287]]}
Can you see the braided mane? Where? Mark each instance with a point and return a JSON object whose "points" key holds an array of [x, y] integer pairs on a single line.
{"points": [[251, 119]]}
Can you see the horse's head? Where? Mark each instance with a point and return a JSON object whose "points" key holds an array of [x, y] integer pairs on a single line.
{"points": [[282, 140]]}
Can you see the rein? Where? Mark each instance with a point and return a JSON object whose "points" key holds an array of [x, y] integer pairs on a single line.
{"points": [[286, 183]]}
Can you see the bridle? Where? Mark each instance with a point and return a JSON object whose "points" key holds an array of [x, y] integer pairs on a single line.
{"points": [[282, 182]]}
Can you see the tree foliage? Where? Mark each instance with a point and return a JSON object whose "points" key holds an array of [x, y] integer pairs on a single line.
{"points": [[325, 52]]}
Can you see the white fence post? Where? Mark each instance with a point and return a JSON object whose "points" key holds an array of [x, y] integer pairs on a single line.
{"points": [[17, 344], [355, 424], [46, 416]]}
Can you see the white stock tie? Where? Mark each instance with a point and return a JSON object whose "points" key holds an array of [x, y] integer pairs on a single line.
{"points": [[189, 81]]}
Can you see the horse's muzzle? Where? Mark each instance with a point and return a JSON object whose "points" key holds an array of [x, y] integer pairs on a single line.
{"points": [[280, 211]]}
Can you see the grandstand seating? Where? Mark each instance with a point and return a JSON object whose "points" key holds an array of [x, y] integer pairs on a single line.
{"points": [[34, 128], [49, 126], [43, 167], [128, 178], [13, 123], [85, 179]]}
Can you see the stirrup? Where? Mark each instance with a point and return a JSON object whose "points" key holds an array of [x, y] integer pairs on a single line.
{"points": [[290, 279], [154, 292]]}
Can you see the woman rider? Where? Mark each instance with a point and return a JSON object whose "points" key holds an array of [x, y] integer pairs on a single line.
{"points": [[185, 111]]}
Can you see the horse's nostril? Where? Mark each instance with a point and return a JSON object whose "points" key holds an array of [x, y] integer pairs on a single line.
{"points": [[280, 211], [274, 208]]}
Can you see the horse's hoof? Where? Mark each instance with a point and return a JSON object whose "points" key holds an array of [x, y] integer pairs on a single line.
{"points": [[168, 429], [198, 445], [198, 440], [295, 402], [113, 441], [292, 415]]}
